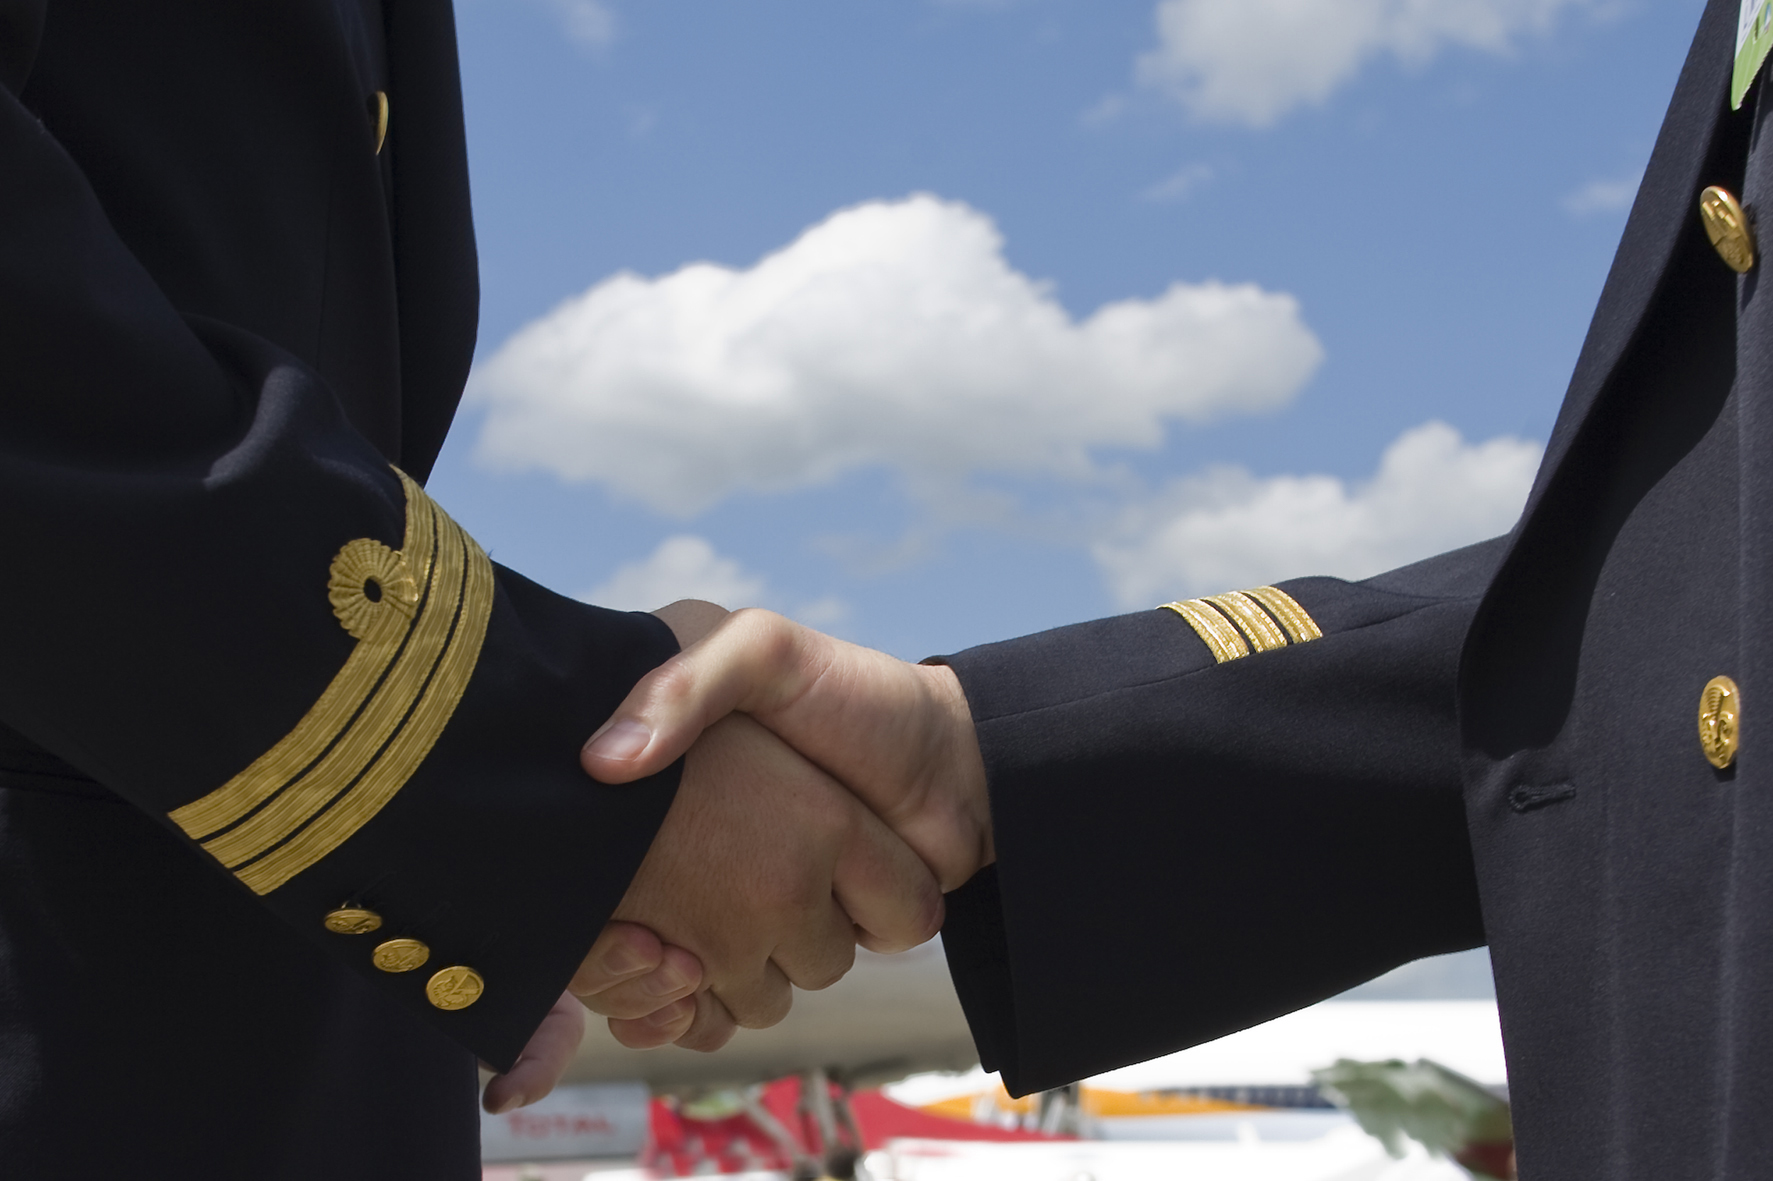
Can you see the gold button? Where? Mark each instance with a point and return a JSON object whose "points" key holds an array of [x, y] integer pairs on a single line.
{"points": [[1719, 709], [455, 988], [378, 117], [1727, 226], [352, 920], [400, 955]]}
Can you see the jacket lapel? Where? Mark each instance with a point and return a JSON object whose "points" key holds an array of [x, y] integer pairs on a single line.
{"points": [[1516, 676], [1667, 204]]}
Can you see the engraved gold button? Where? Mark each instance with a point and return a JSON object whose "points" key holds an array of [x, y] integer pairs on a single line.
{"points": [[455, 988], [352, 920], [378, 117], [400, 955], [1720, 706], [1727, 226]]}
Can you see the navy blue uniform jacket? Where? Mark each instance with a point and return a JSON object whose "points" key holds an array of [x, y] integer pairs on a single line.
{"points": [[249, 672], [1500, 744]]}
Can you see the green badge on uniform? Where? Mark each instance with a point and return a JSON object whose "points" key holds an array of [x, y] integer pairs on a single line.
{"points": [[1754, 35]]}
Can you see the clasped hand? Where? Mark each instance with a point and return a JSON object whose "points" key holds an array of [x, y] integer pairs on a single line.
{"points": [[830, 795]]}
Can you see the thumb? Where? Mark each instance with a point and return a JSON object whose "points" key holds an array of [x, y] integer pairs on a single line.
{"points": [[751, 660]]}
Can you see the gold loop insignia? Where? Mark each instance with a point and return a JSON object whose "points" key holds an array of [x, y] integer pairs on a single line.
{"points": [[368, 580], [419, 617]]}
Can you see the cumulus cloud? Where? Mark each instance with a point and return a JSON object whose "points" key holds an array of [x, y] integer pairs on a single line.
{"points": [[683, 567], [689, 567], [893, 334], [1252, 61], [1227, 528]]}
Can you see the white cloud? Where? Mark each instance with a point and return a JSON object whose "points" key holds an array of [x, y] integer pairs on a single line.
{"points": [[688, 567], [893, 334], [683, 567], [1603, 196], [1252, 61], [592, 23], [1227, 529]]}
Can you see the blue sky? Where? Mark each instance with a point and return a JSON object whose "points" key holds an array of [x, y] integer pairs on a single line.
{"points": [[1326, 227]]}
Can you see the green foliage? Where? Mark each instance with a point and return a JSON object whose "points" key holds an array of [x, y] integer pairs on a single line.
{"points": [[1448, 1113]]}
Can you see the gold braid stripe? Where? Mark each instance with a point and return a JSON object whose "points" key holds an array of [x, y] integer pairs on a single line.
{"points": [[418, 642], [389, 773], [1220, 637], [1212, 619], [320, 727], [366, 734], [1260, 630], [1285, 608]]}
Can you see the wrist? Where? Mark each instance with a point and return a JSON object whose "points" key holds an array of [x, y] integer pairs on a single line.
{"points": [[958, 783]]}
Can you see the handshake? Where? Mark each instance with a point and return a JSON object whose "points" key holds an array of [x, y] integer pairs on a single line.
{"points": [[830, 795]]}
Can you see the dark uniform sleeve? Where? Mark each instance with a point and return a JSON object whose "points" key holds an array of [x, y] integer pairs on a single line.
{"points": [[224, 605], [1214, 813]]}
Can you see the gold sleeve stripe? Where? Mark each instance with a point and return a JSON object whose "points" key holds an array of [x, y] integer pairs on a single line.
{"points": [[320, 727], [1285, 608], [1212, 619], [365, 735], [1260, 630], [384, 779], [419, 639], [1219, 636]]}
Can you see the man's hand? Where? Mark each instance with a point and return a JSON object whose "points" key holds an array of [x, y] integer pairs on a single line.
{"points": [[644, 986], [649, 990], [771, 872], [899, 735]]}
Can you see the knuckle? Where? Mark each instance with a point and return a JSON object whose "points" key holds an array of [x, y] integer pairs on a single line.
{"points": [[774, 639], [673, 683], [828, 971], [765, 1008], [705, 1038]]}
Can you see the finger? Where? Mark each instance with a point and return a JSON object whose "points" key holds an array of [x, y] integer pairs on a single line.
{"points": [[750, 660], [623, 951], [543, 1060], [759, 1000], [818, 955], [886, 889], [691, 619], [712, 1028], [659, 1028], [677, 977]]}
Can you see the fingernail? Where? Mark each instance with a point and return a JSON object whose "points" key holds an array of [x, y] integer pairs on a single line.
{"points": [[669, 1014], [510, 1105], [666, 980], [621, 960], [620, 741]]}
